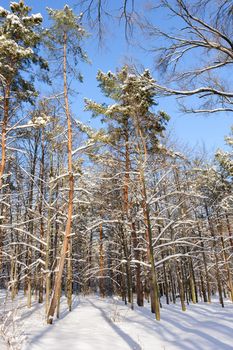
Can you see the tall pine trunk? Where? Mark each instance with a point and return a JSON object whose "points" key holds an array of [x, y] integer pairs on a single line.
{"points": [[60, 267]]}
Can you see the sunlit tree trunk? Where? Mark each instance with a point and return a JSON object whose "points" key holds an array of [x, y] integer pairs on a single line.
{"points": [[60, 267], [3, 157]]}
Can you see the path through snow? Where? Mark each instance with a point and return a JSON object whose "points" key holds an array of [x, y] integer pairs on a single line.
{"points": [[96, 324]]}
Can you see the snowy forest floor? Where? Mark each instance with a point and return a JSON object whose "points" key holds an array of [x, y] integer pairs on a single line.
{"points": [[103, 324]]}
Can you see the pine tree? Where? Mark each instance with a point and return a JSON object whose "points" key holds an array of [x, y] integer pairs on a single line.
{"points": [[19, 39], [137, 129], [66, 33]]}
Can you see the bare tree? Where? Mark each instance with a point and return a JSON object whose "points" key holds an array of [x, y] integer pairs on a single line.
{"points": [[194, 55], [97, 10], [197, 55]]}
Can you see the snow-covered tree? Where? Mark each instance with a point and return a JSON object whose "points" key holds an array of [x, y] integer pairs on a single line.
{"points": [[19, 40], [64, 41], [135, 131]]}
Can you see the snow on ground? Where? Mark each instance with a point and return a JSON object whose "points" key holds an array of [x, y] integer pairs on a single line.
{"points": [[2, 345], [103, 324]]}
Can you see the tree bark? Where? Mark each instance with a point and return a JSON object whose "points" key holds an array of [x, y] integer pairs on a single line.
{"points": [[60, 267]]}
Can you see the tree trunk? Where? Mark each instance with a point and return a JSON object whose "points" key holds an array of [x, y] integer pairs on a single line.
{"points": [[60, 267], [101, 263], [41, 275]]}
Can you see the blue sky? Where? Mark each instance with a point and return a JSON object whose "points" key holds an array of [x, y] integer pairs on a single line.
{"points": [[193, 130]]}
